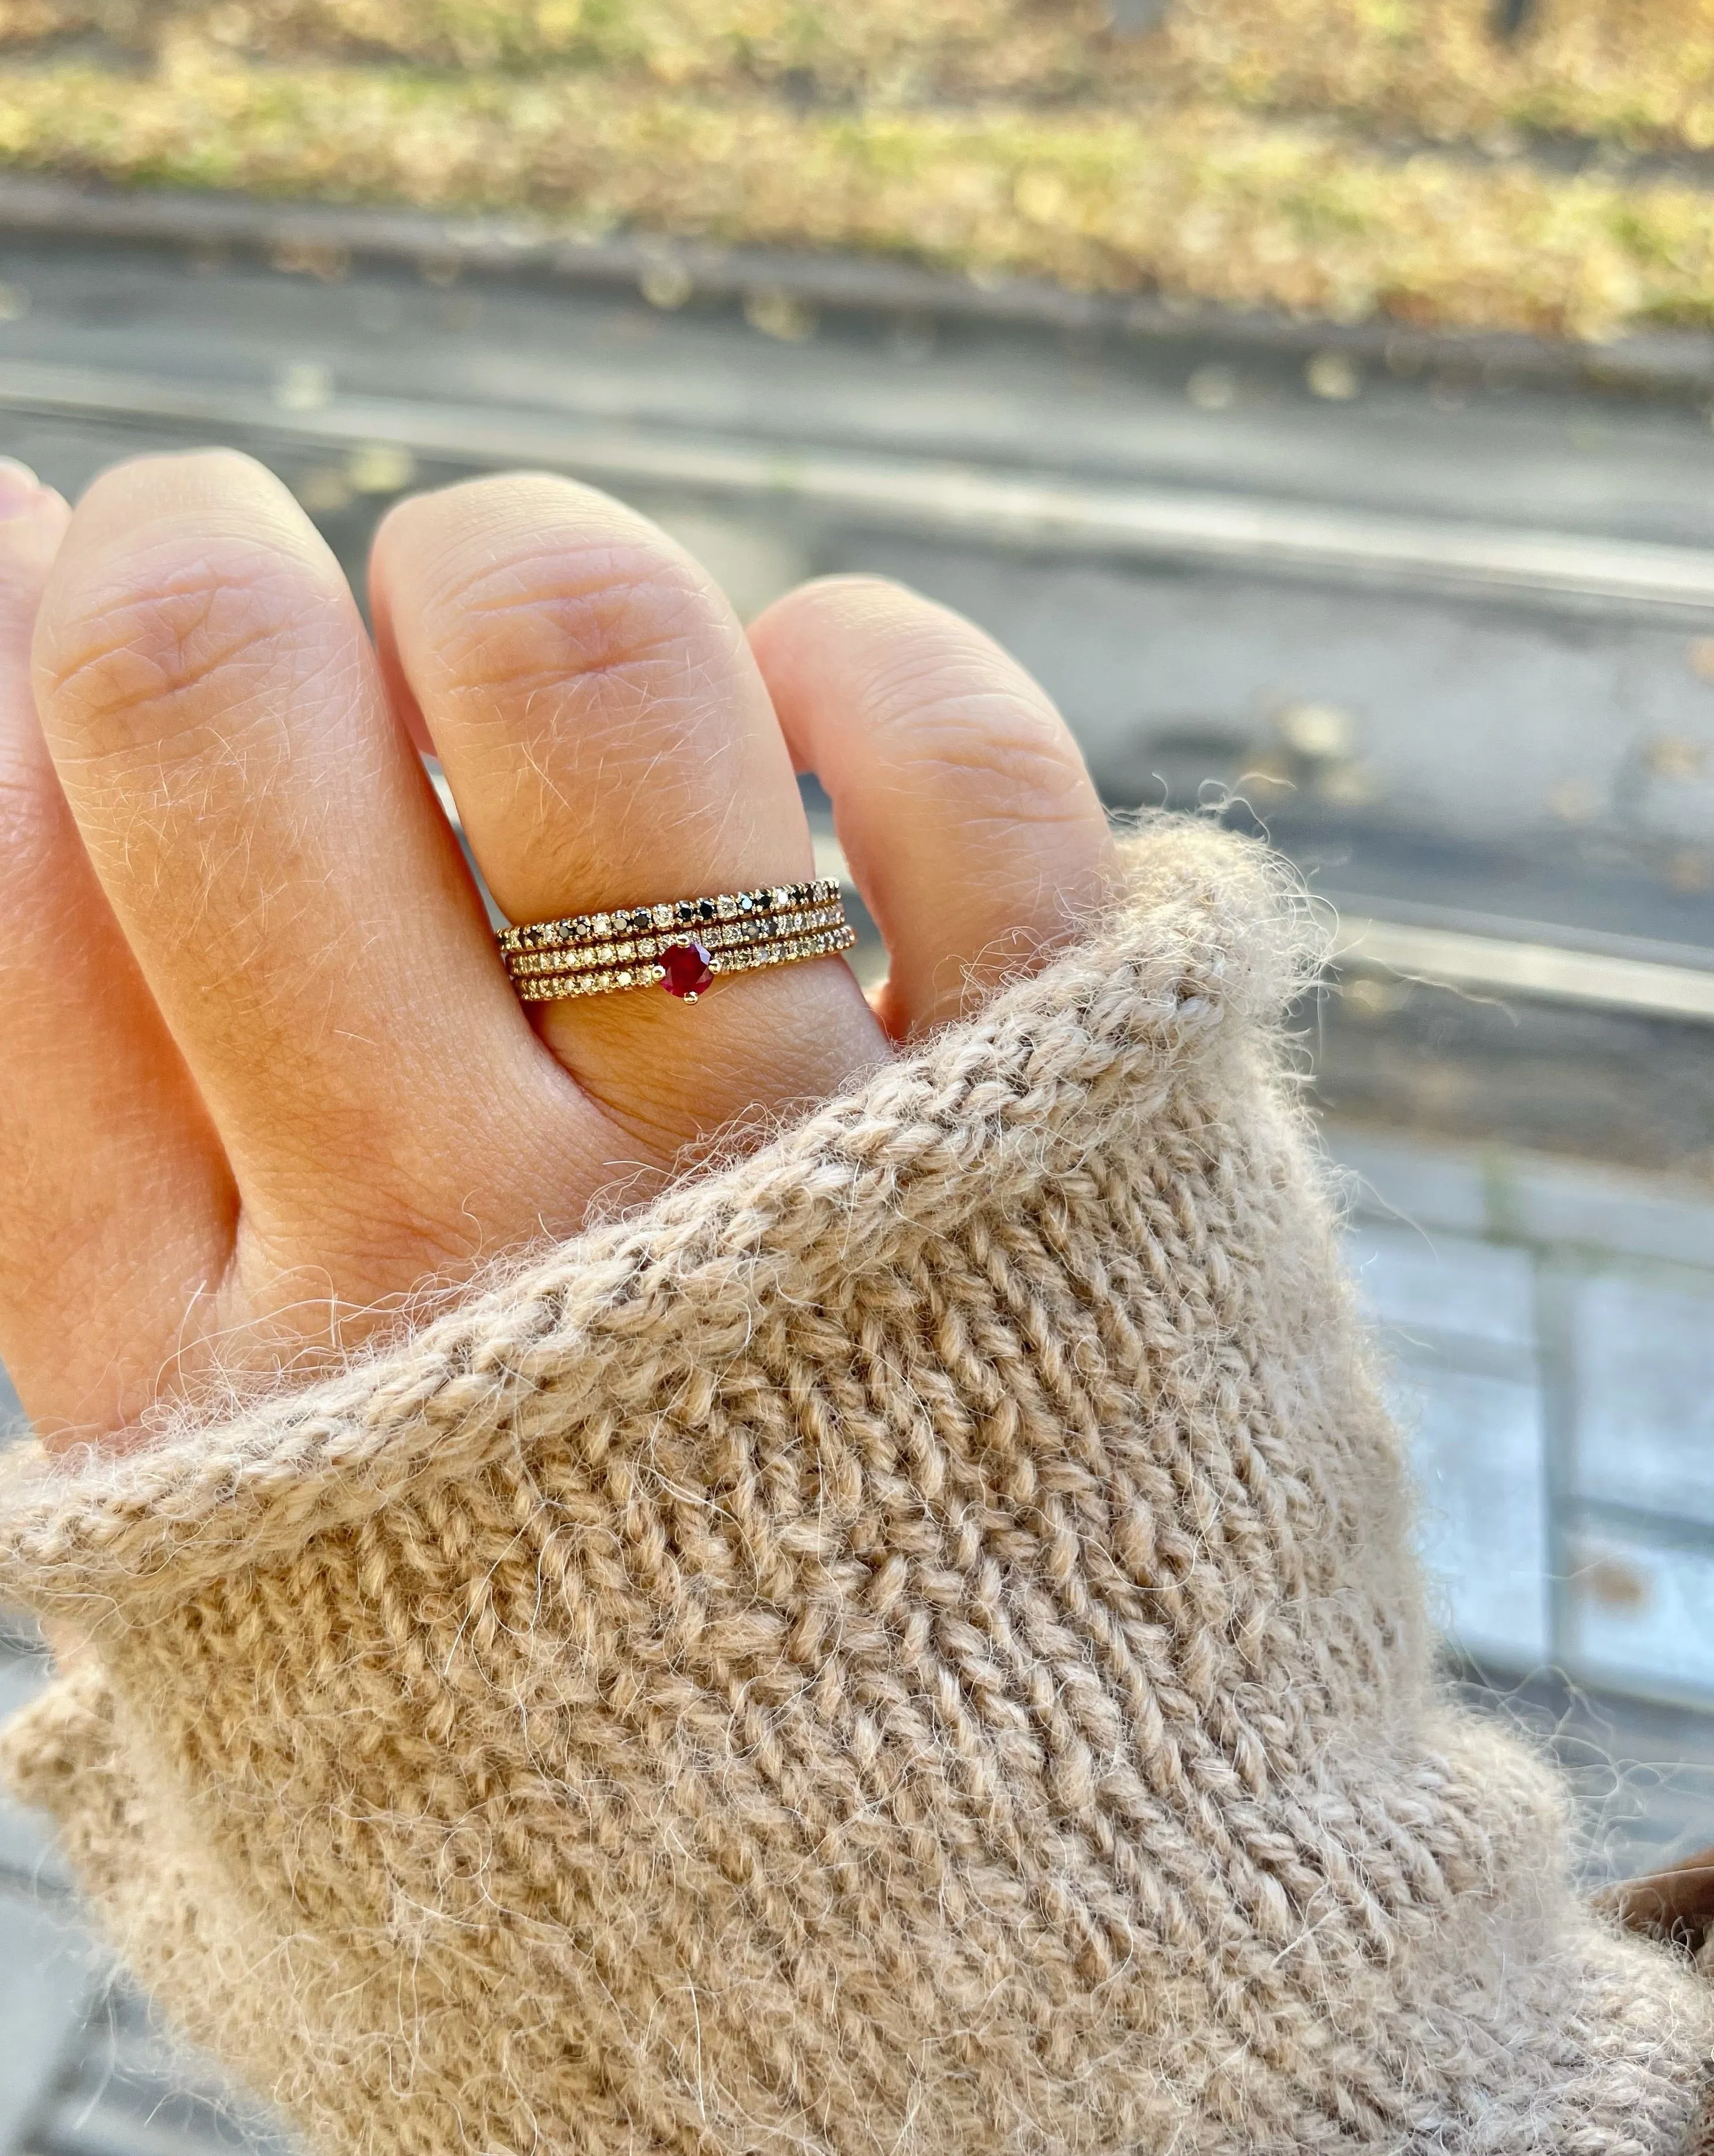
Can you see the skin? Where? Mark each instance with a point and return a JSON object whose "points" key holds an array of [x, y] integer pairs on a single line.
{"points": [[262, 1075]]}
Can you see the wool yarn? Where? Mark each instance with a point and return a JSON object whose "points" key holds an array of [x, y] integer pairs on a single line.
{"points": [[907, 1647]]}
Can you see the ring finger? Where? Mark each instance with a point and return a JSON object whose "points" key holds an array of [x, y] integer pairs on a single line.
{"points": [[609, 742]]}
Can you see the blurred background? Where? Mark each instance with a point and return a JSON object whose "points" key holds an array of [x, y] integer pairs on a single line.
{"points": [[1317, 393]]}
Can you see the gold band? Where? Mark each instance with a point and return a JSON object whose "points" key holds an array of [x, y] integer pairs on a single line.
{"points": [[680, 946]]}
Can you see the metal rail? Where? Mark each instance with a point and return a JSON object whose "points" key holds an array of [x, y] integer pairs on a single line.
{"points": [[1471, 563], [1500, 966]]}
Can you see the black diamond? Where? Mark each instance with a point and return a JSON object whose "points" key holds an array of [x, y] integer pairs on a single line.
{"points": [[704, 907], [686, 909]]}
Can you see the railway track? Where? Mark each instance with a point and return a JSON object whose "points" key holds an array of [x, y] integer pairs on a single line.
{"points": [[1446, 633], [928, 497]]}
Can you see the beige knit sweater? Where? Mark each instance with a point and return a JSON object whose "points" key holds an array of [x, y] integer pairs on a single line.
{"points": [[905, 1648]]}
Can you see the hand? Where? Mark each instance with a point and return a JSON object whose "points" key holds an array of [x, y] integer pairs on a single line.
{"points": [[261, 1070]]}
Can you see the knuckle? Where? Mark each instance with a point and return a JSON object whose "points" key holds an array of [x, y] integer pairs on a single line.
{"points": [[560, 616], [181, 637], [950, 717], [971, 724]]}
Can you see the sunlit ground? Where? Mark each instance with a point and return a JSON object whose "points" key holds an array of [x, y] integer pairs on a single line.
{"points": [[1536, 165]]}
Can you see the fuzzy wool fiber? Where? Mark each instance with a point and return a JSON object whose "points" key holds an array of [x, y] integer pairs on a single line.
{"points": [[907, 1647]]}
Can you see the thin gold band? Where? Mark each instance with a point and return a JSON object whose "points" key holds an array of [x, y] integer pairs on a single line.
{"points": [[573, 930], [681, 945]]}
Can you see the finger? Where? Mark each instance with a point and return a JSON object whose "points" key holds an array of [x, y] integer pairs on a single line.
{"points": [[119, 1204], [274, 853], [962, 803], [609, 743]]}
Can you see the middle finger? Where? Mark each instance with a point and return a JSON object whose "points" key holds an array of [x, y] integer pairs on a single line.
{"points": [[296, 902]]}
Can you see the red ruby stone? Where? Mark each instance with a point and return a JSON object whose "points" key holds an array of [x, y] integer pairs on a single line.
{"points": [[687, 969]]}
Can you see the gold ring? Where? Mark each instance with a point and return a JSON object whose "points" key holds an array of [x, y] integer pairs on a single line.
{"points": [[680, 946]]}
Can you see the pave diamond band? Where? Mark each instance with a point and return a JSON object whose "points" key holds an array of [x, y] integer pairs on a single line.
{"points": [[680, 946], [682, 914], [628, 950]]}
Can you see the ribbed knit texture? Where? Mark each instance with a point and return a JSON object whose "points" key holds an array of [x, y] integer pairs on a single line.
{"points": [[905, 1648]]}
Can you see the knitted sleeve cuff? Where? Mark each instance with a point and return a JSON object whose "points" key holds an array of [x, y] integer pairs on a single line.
{"points": [[965, 1132], [906, 1644]]}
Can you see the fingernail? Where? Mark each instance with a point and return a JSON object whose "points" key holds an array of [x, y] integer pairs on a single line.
{"points": [[18, 487]]}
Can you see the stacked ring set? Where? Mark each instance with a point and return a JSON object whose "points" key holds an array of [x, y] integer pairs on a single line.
{"points": [[681, 946]]}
